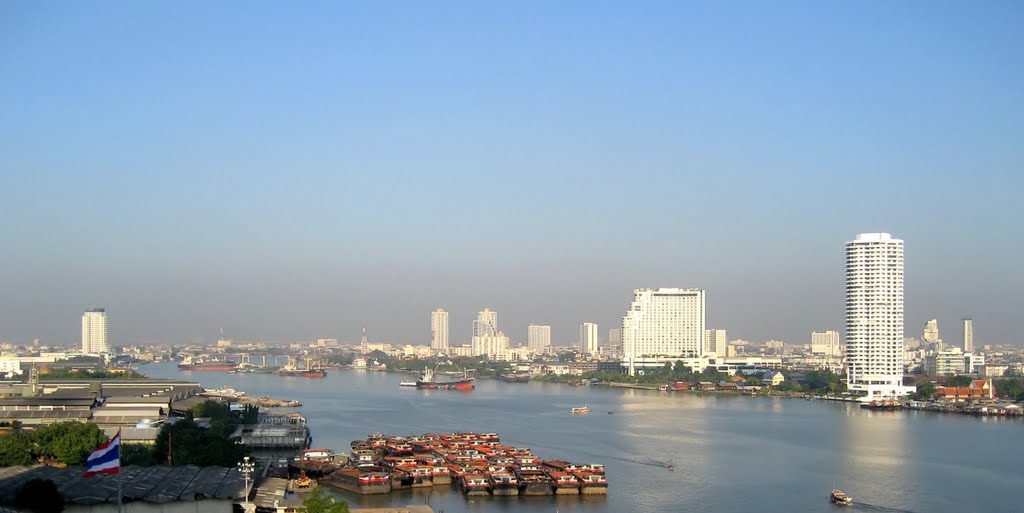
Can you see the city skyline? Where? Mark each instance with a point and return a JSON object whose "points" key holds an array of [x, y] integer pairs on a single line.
{"points": [[359, 165]]}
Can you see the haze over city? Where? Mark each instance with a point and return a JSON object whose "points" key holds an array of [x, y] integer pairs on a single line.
{"points": [[289, 172]]}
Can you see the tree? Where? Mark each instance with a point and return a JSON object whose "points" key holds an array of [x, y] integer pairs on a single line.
{"points": [[319, 502], [925, 391], [69, 443], [958, 381], [15, 450], [39, 496], [137, 454], [190, 445]]}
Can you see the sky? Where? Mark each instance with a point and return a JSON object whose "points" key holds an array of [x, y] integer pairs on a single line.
{"points": [[292, 171]]}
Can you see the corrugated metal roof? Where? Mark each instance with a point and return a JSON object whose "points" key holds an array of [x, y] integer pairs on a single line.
{"points": [[149, 484]]}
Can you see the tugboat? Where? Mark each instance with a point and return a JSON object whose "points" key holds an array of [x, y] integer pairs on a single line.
{"points": [[839, 498]]}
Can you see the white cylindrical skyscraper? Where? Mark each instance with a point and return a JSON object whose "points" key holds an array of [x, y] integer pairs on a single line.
{"points": [[874, 316]]}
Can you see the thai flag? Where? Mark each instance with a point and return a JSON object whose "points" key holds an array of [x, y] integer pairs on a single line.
{"points": [[106, 459]]}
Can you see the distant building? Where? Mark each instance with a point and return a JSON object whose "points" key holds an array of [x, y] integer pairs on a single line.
{"points": [[615, 336], [874, 316], [930, 334], [588, 338], [716, 343], [486, 323], [825, 343], [968, 336], [490, 346], [439, 330], [538, 337], [667, 322], [95, 332]]}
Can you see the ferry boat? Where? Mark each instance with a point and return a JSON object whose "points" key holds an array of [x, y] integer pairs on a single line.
{"points": [[887, 405], [838, 497], [580, 409]]}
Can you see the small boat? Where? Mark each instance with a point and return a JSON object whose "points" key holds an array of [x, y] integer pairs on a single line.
{"points": [[670, 466], [840, 498], [580, 409], [407, 384]]}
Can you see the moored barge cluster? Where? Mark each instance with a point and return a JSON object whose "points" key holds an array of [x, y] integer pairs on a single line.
{"points": [[478, 464]]}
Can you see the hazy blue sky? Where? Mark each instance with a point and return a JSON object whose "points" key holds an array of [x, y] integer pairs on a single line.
{"points": [[290, 171]]}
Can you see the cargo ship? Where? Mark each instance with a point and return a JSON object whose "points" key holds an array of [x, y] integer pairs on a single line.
{"points": [[188, 364], [427, 382], [311, 371]]}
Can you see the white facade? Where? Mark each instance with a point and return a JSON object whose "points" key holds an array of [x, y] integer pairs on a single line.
{"points": [[968, 336], [615, 336], [874, 316], [588, 338], [490, 345], [94, 331], [486, 323], [715, 343], [439, 330], [825, 343], [538, 337], [930, 334], [663, 322]]}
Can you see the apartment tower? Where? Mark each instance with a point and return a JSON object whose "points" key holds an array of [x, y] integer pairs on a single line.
{"points": [[874, 316], [538, 337], [588, 338], [439, 330], [94, 331], [968, 336]]}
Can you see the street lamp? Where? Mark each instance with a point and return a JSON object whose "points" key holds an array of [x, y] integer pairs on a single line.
{"points": [[246, 466]]}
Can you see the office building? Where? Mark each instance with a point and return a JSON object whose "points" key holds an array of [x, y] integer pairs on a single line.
{"points": [[94, 331], [874, 316], [439, 330], [486, 323], [663, 323], [538, 337], [715, 343], [968, 336], [825, 343], [588, 339]]}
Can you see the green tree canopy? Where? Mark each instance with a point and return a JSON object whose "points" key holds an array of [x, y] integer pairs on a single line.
{"points": [[318, 501], [15, 450], [67, 442], [958, 381]]}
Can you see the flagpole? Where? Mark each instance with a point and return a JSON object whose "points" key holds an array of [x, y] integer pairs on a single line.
{"points": [[120, 498]]}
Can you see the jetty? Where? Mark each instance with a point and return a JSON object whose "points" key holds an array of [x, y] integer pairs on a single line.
{"points": [[476, 464]]}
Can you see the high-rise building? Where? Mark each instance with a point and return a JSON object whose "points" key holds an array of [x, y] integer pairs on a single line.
{"points": [[538, 337], [874, 316], [825, 343], [490, 346], [930, 334], [588, 338], [968, 336], [615, 336], [715, 343], [486, 323], [439, 330], [94, 331], [663, 322]]}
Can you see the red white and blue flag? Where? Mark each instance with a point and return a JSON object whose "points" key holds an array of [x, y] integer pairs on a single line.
{"points": [[106, 459]]}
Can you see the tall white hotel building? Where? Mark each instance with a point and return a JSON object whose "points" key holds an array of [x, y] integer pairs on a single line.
{"points": [[439, 330], [874, 316], [665, 323], [94, 331], [588, 339]]}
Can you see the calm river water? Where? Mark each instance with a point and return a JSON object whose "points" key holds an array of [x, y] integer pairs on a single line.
{"points": [[731, 454]]}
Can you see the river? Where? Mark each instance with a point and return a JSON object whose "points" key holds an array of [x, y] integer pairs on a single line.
{"points": [[731, 454]]}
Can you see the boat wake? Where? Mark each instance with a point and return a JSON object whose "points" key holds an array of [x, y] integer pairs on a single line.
{"points": [[864, 506]]}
